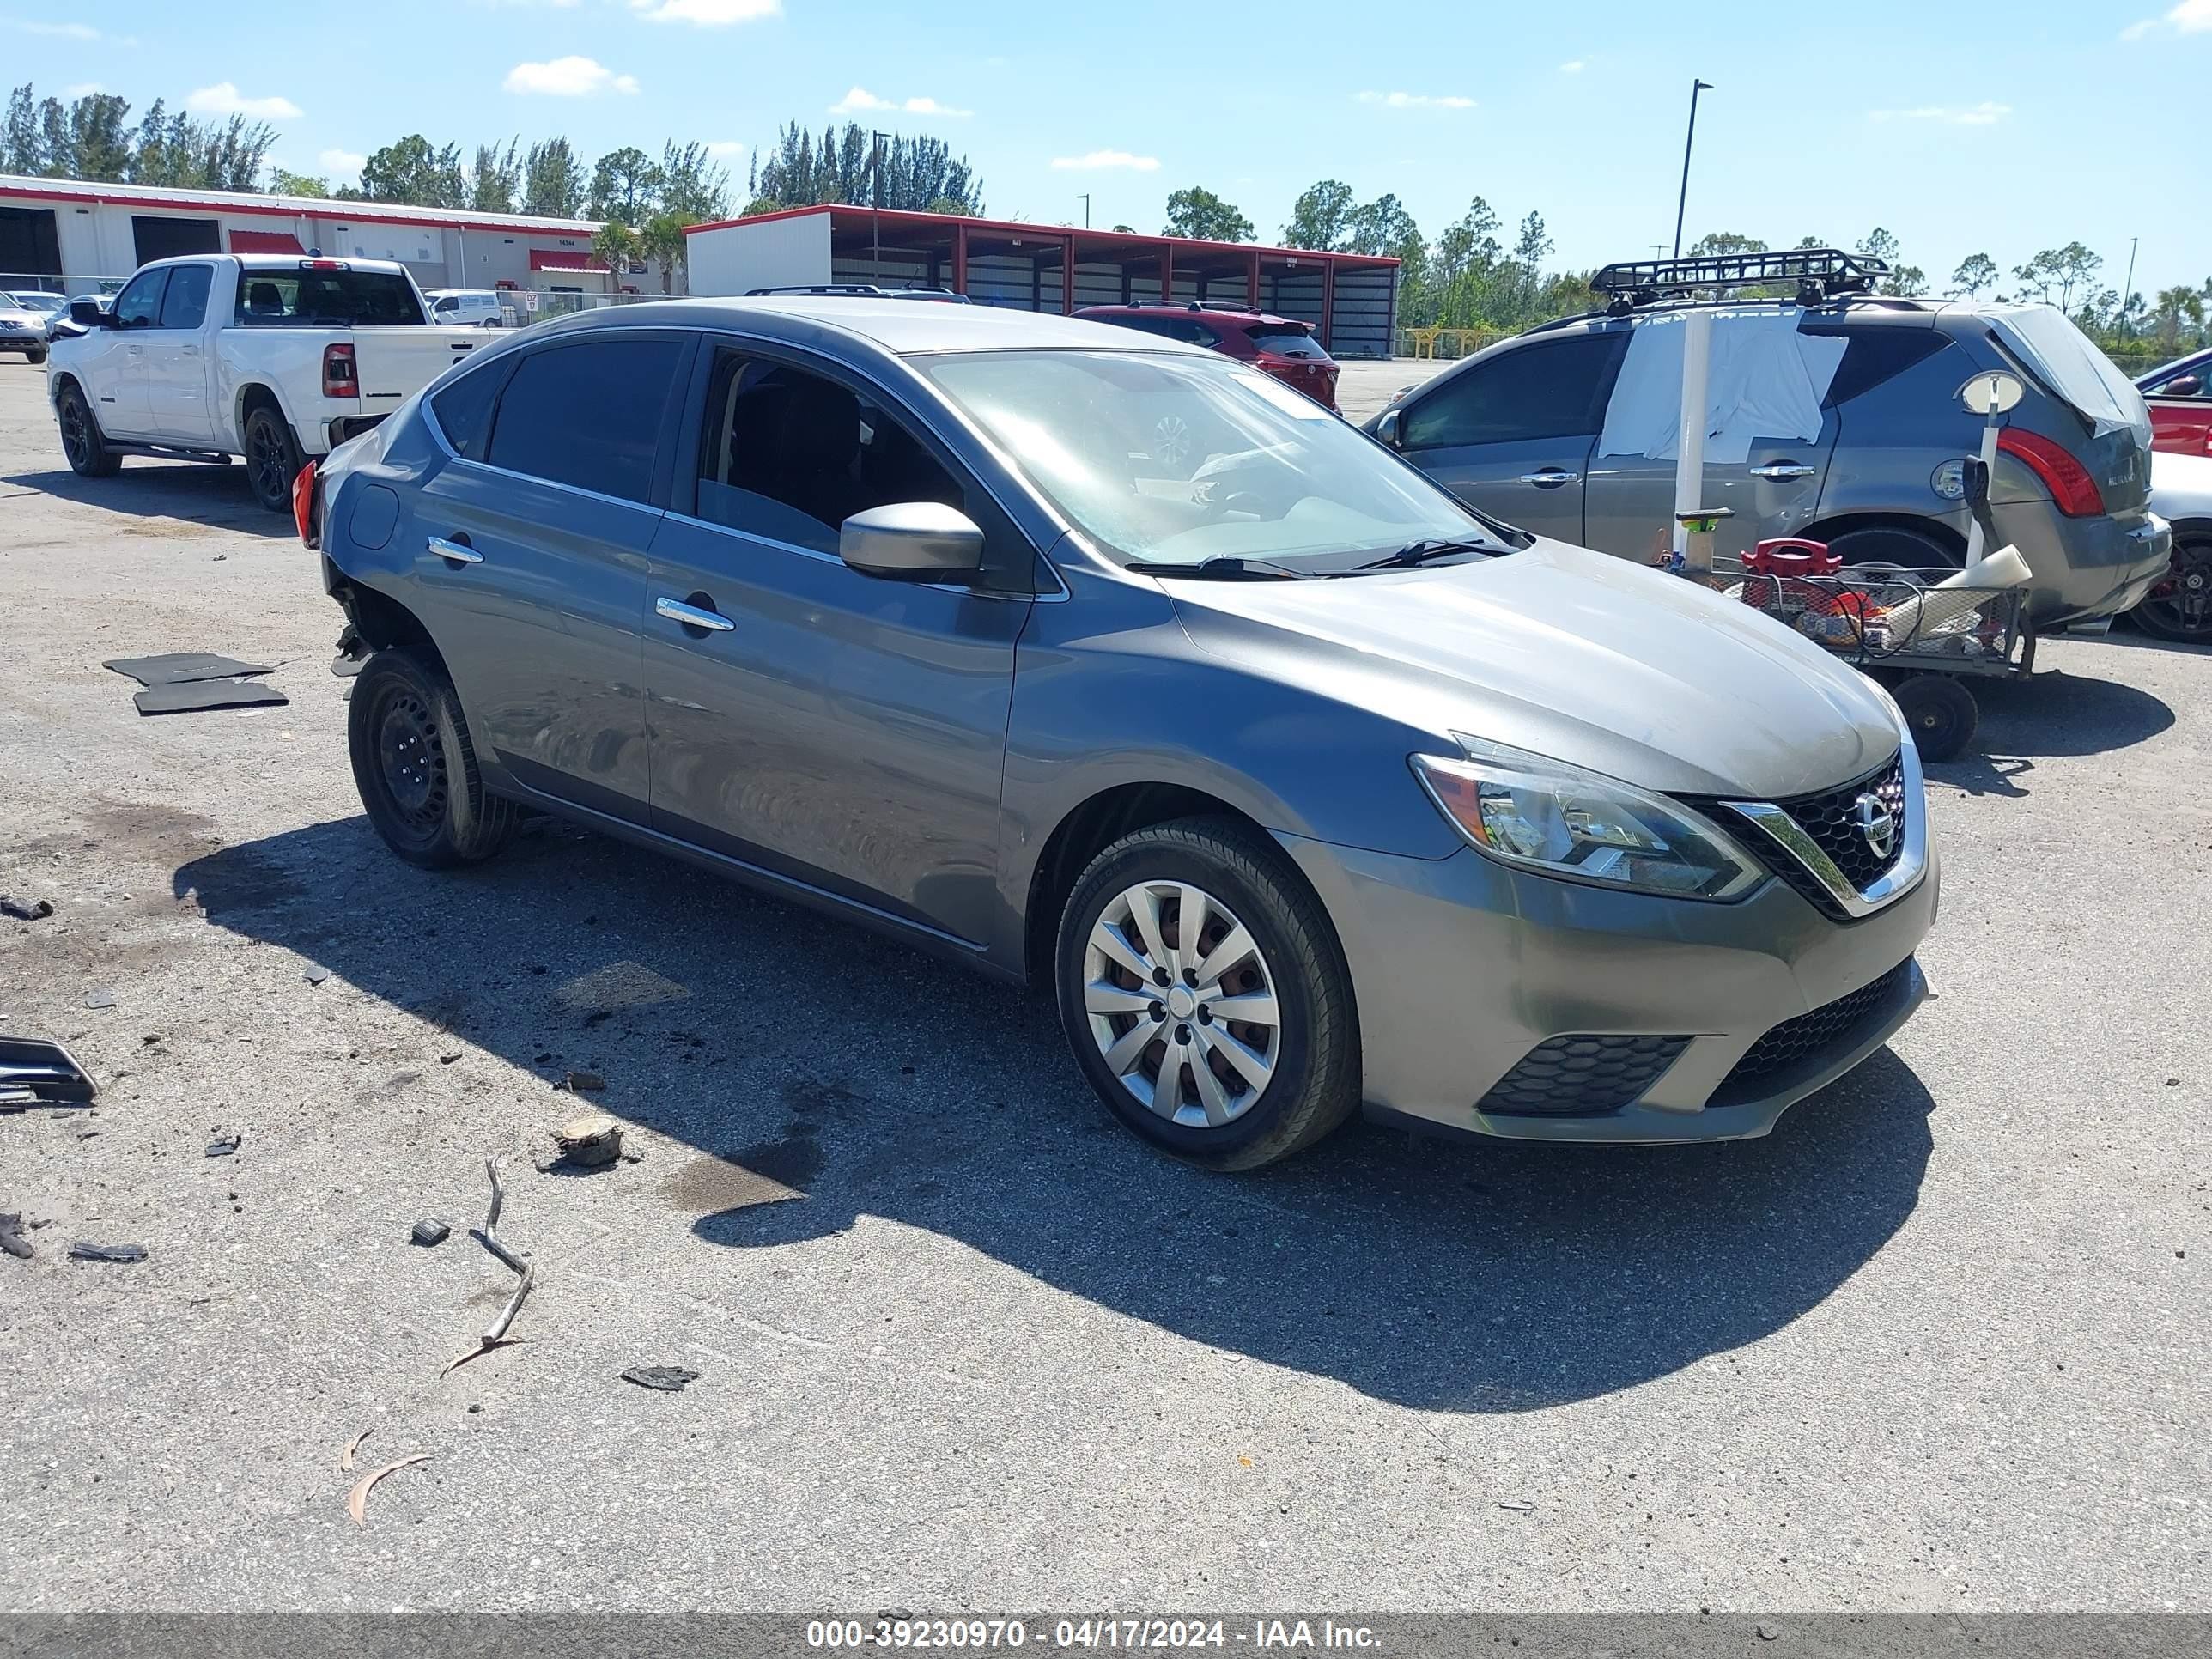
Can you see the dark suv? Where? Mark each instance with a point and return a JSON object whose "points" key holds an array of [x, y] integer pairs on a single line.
{"points": [[1283, 346], [1840, 420]]}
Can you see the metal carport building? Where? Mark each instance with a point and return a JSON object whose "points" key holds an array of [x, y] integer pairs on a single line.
{"points": [[1350, 299]]}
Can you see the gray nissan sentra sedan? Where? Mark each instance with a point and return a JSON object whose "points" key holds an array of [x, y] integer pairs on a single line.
{"points": [[1109, 663]]}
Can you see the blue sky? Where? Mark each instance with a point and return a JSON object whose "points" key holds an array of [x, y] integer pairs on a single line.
{"points": [[1962, 126]]}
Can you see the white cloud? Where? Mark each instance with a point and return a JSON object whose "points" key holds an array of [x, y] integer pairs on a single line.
{"points": [[1107, 158], [1416, 101], [860, 100], [724, 149], [567, 77], [83, 90], [340, 163], [1969, 115], [707, 14], [2189, 17], [1574, 67], [59, 30], [224, 98]]}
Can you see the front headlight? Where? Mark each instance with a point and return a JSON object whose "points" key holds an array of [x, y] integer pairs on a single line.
{"points": [[1543, 815]]}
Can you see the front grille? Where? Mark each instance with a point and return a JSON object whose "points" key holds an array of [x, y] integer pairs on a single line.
{"points": [[1832, 821], [1831, 1025], [1581, 1076]]}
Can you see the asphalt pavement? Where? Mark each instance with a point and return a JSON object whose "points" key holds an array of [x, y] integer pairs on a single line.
{"points": [[1939, 1343]]}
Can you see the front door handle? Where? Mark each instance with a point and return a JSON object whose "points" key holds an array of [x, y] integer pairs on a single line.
{"points": [[458, 552], [1782, 472], [692, 615], [1549, 478]]}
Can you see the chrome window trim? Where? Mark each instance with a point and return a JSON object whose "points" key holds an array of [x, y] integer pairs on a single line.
{"points": [[966, 590], [1899, 879]]}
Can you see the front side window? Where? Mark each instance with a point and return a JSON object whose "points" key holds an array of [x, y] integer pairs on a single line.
{"points": [[1168, 459], [589, 415], [185, 304], [790, 455], [280, 297], [140, 302], [1552, 389]]}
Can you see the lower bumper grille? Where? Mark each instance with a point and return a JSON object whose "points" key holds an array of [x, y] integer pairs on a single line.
{"points": [[1832, 1025], [1581, 1076]]}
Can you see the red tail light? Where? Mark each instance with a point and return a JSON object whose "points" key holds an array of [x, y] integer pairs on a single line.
{"points": [[2066, 478], [339, 377], [303, 504]]}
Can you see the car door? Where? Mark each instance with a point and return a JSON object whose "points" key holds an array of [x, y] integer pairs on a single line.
{"points": [[112, 363], [528, 554], [2181, 410], [1511, 433], [842, 731], [177, 368]]}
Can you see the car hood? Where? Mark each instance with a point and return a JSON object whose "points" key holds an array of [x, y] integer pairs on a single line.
{"points": [[1569, 654]]}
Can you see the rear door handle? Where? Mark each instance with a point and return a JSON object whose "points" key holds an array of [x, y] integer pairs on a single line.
{"points": [[1782, 472], [692, 615], [458, 552], [1549, 478]]}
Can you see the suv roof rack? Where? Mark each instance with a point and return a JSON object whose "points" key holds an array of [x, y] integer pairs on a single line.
{"points": [[1191, 305], [1820, 273], [859, 291]]}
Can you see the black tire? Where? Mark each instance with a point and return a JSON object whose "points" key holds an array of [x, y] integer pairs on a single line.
{"points": [[272, 458], [1942, 713], [1315, 1084], [1894, 545], [2180, 607], [417, 770], [89, 457], [35, 355]]}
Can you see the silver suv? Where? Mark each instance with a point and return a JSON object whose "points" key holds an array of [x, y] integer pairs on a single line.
{"points": [[1840, 417]]}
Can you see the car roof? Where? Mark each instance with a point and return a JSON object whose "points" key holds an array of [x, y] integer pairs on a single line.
{"points": [[898, 326]]}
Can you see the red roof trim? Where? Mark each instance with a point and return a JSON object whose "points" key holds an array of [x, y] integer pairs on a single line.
{"points": [[859, 218], [366, 213], [565, 258], [264, 241]]}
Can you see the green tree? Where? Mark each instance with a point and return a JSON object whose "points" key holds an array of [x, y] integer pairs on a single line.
{"points": [[283, 183], [497, 179], [100, 136], [1202, 215], [1721, 244], [1384, 226], [694, 187], [1976, 273], [21, 149], [411, 172], [2172, 308], [661, 239], [553, 180], [56, 149], [1321, 218], [625, 186], [616, 246]]}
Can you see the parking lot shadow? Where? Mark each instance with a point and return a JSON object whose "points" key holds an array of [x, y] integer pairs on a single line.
{"points": [[199, 493], [2054, 714], [814, 1075]]}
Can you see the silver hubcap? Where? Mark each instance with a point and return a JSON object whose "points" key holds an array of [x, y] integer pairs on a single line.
{"points": [[1181, 1003]]}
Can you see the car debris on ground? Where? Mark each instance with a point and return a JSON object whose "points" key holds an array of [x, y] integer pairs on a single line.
{"points": [[590, 1141], [224, 1146], [12, 1239], [429, 1230], [668, 1379], [84, 1251], [26, 910], [495, 1335]]}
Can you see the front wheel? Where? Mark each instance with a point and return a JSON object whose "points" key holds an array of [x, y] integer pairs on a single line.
{"points": [[272, 458], [1942, 713], [415, 766], [89, 457], [1205, 995], [35, 355], [2180, 607]]}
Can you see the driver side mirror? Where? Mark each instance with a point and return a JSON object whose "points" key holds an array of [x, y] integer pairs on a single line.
{"points": [[2182, 385], [924, 541], [86, 313], [1390, 429]]}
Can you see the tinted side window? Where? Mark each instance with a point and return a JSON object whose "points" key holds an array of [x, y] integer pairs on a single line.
{"points": [[185, 305], [588, 415], [1552, 389], [140, 302], [464, 408], [1875, 354], [790, 456]]}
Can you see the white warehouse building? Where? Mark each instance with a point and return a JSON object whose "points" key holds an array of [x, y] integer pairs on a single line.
{"points": [[73, 236]]}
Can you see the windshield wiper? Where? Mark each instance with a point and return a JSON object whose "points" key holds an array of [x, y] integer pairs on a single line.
{"points": [[1223, 567], [1421, 552]]}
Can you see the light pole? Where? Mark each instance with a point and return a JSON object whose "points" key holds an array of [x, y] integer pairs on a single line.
{"points": [[1086, 210], [876, 207], [1683, 201], [2128, 288]]}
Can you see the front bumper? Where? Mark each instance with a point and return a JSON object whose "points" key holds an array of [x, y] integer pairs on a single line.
{"points": [[1460, 967]]}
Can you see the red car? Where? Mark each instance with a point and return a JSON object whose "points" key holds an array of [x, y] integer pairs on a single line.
{"points": [[1283, 346], [2180, 398]]}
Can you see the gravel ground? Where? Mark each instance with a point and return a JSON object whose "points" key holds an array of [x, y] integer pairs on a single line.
{"points": [[1938, 1343]]}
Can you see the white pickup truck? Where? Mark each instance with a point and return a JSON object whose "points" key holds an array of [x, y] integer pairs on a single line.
{"points": [[272, 357]]}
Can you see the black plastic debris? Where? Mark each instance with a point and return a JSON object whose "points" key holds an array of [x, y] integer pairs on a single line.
{"points": [[194, 696], [26, 910], [583, 1082], [429, 1230], [35, 1071], [81, 1251], [224, 1146], [182, 667], [669, 1379], [12, 1239]]}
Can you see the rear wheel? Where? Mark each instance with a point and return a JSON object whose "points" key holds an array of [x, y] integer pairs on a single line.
{"points": [[89, 454], [415, 768], [1894, 546], [1204, 993], [2180, 607], [272, 458], [1942, 713]]}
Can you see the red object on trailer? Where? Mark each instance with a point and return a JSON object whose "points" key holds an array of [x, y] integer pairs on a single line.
{"points": [[303, 506], [1791, 555]]}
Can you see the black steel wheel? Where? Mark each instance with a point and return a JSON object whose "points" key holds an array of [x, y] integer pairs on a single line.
{"points": [[2180, 607], [272, 458], [415, 768], [88, 455], [1942, 713]]}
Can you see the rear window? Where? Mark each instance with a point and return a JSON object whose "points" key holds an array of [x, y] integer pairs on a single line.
{"points": [[1873, 355], [326, 299], [1287, 342], [2067, 360], [464, 408], [589, 415]]}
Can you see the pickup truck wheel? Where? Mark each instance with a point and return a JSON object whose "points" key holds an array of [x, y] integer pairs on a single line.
{"points": [[417, 770], [273, 459], [89, 454]]}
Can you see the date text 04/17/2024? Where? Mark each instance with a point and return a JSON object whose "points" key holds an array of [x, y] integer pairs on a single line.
{"points": [[1097, 1632]]}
